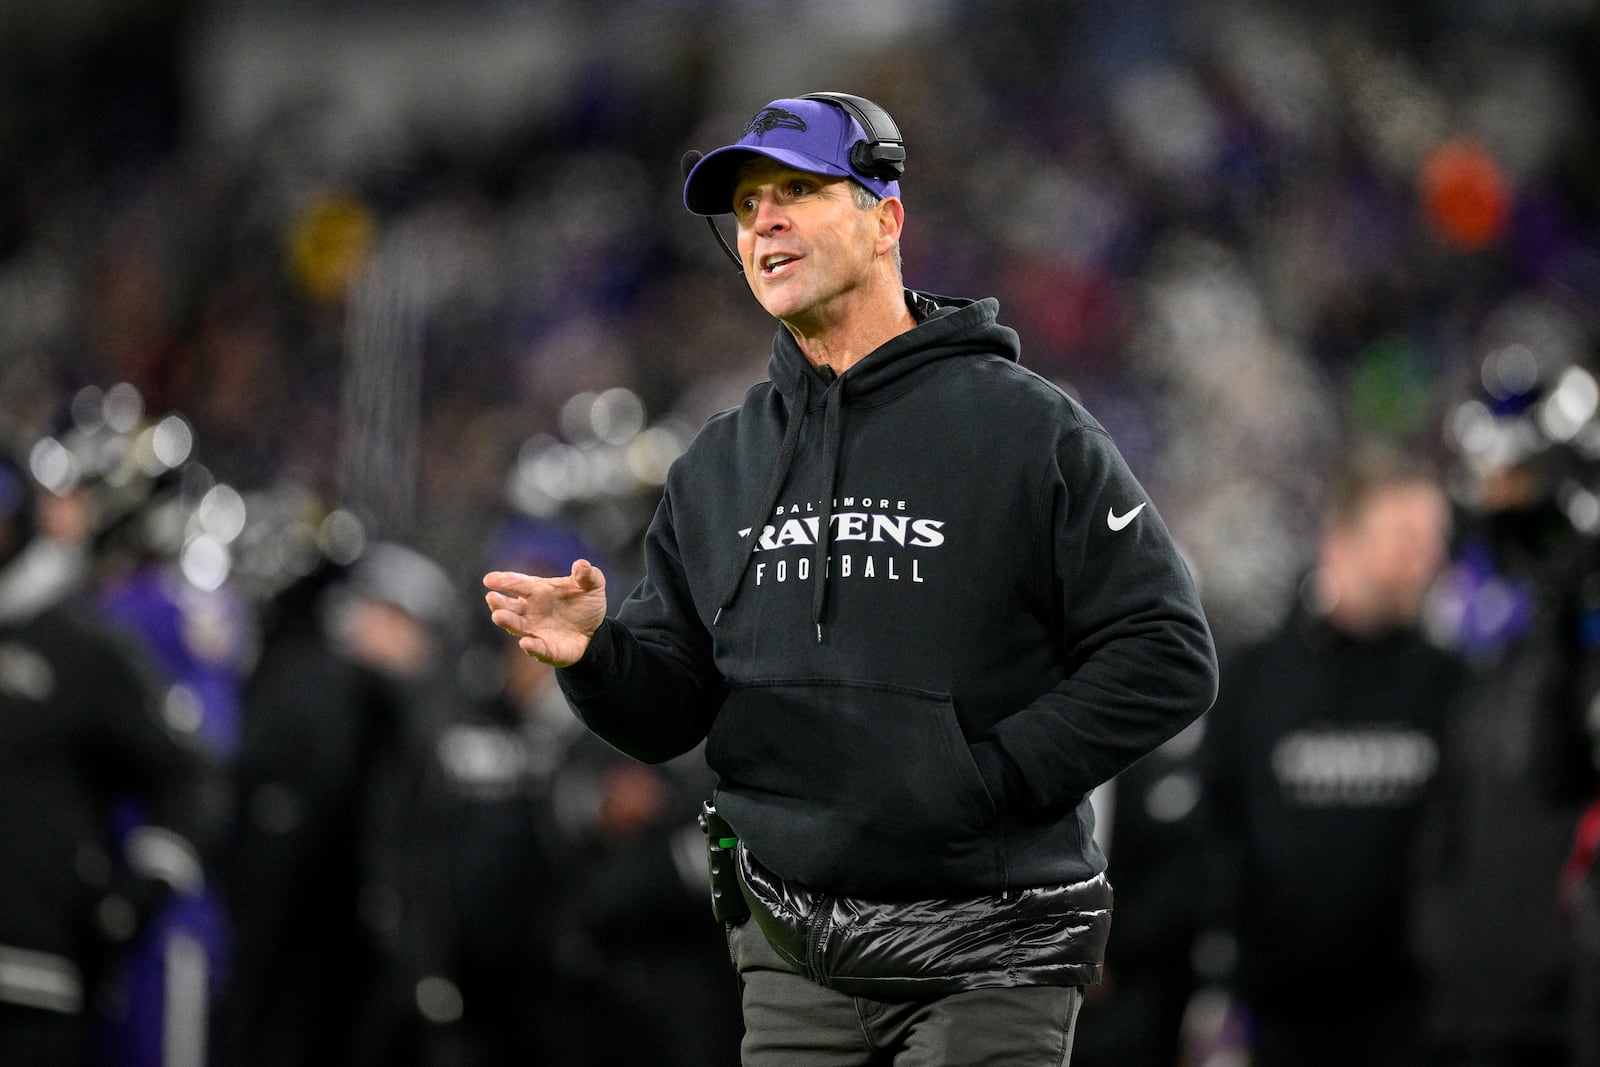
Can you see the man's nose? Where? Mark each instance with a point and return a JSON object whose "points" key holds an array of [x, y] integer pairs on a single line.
{"points": [[770, 216]]}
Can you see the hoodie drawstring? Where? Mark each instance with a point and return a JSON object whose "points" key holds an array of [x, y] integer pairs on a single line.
{"points": [[780, 472], [831, 433]]}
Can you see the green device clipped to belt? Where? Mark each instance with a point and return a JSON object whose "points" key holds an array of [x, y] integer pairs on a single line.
{"points": [[727, 902]]}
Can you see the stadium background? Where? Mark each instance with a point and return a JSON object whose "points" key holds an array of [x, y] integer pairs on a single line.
{"points": [[1241, 232]]}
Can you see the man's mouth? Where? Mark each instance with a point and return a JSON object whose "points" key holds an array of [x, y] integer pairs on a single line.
{"points": [[775, 263]]}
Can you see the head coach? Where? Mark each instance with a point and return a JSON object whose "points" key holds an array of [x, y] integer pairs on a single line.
{"points": [[916, 606]]}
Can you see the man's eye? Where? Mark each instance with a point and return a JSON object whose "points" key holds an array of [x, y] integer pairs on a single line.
{"points": [[798, 188]]}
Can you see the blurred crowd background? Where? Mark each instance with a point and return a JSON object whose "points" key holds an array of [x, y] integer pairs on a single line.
{"points": [[315, 304], [375, 248]]}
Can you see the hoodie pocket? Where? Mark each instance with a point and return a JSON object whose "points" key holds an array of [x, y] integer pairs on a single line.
{"points": [[855, 787]]}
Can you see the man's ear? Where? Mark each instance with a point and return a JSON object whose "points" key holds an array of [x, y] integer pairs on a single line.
{"points": [[891, 220]]}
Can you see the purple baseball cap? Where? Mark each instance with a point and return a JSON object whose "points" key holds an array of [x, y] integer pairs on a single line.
{"points": [[809, 135]]}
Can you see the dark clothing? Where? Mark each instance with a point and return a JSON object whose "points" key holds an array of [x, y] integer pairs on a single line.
{"points": [[1048, 935], [79, 733], [1346, 1028], [637, 944], [1494, 947], [458, 846], [567, 939], [314, 726], [79, 729], [1319, 756], [792, 1022], [1150, 821], [1581, 901], [917, 612]]}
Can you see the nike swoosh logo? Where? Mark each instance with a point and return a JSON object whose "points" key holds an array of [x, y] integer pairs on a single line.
{"points": [[1117, 522]]}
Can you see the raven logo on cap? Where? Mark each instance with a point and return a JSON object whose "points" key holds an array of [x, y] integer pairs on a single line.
{"points": [[775, 118]]}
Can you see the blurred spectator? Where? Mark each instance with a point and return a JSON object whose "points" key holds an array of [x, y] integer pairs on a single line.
{"points": [[638, 967], [1580, 899], [140, 529], [1569, 747], [1509, 802], [1319, 753], [318, 973], [483, 868], [1149, 821], [1571, 764], [80, 731], [199, 642], [468, 862]]}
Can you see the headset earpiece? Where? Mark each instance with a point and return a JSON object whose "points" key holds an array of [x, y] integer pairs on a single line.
{"points": [[883, 154]]}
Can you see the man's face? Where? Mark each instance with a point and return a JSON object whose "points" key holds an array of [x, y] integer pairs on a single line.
{"points": [[805, 245], [1400, 541]]}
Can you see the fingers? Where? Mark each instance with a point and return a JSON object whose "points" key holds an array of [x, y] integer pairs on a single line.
{"points": [[517, 605], [507, 610], [507, 619], [510, 582], [520, 627], [587, 575], [504, 610]]}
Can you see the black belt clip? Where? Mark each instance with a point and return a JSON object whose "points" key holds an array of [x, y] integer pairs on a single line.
{"points": [[727, 902]]}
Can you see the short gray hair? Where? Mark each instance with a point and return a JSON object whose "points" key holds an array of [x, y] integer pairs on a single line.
{"points": [[865, 199]]}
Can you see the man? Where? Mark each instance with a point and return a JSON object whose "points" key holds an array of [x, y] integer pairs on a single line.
{"points": [[317, 871], [1510, 796], [81, 736], [1150, 822], [1320, 753], [916, 605]]}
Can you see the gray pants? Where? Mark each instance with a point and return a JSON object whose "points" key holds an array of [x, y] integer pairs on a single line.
{"points": [[791, 1021]]}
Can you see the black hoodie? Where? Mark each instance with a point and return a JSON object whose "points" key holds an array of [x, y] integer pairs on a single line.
{"points": [[917, 612]]}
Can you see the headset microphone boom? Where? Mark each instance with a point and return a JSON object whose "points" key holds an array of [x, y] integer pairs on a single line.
{"points": [[690, 158]]}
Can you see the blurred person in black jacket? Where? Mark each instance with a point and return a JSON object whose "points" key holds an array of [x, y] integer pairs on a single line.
{"points": [[79, 732], [1580, 900], [1149, 821], [1568, 747], [600, 855], [479, 865], [1496, 949], [308, 876], [638, 943], [473, 865], [1319, 754]]}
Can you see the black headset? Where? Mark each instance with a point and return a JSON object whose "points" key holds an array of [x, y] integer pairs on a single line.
{"points": [[883, 154]]}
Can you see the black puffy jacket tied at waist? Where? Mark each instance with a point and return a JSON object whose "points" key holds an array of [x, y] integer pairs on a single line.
{"points": [[1050, 935]]}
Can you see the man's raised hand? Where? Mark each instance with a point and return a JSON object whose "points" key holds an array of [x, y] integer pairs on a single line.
{"points": [[551, 618]]}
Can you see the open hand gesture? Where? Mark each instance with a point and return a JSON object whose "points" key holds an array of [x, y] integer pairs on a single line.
{"points": [[551, 618]]}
